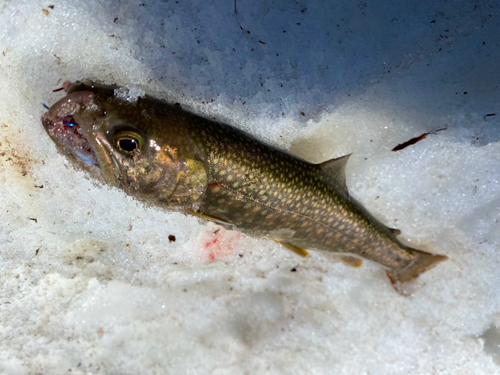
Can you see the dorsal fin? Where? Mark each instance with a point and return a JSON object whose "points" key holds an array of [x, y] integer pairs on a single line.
{"points": [[335, 170], [394, 231]]}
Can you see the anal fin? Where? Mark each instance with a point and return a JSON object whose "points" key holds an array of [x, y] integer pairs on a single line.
{"points": [[351, 261], [295, 249]]}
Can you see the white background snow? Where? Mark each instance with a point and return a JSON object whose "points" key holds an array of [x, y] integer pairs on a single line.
{"points": [[91, 284]]}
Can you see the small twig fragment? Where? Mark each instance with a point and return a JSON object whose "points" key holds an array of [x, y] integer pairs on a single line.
{"points": [[412, 141], [215, 184]]}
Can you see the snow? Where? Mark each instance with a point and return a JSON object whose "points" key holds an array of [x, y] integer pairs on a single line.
{"points": [[92, 281]]}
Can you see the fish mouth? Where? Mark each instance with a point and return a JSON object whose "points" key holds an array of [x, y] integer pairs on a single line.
{"points": [[60, 124]]}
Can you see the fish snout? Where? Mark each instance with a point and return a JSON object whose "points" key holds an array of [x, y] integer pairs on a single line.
{"points": [[61, 126], [69, 105]]}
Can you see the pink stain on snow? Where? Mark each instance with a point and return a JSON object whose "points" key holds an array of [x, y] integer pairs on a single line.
{"points": [[100, 331], [219, 242]]}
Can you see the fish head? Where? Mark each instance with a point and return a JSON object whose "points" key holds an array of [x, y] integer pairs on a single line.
{"points": [[127, 141]]}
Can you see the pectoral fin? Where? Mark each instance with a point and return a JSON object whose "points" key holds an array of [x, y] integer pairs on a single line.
{"points": [[208, 217], [297, 250]]}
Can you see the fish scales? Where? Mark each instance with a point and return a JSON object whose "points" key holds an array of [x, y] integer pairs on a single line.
{"points": [[172, 158], [256, 187]]}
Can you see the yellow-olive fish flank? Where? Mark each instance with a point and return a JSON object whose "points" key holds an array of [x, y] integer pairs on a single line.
{"points": [[171, 158]]}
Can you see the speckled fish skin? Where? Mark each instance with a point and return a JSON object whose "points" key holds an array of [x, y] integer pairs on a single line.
{"points": [[195, 164]]}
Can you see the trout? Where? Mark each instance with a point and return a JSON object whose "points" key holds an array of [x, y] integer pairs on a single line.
{"points": [[168, 157]]}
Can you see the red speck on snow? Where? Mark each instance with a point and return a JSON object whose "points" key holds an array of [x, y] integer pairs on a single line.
{"points": [[219, 242]]}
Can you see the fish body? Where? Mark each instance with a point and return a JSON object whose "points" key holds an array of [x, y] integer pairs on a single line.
{"points": [[175, 159]]}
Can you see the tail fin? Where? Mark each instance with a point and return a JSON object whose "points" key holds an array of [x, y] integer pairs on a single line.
{"points": [[423, 262]]}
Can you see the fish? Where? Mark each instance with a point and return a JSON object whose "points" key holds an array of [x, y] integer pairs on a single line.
{"points": [[171, 158]]}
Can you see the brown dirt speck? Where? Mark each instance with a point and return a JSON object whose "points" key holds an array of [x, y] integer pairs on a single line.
{"points": [[14, 154]]}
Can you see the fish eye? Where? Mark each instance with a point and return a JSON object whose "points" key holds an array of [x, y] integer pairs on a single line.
{"points": [[128, 142]]}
